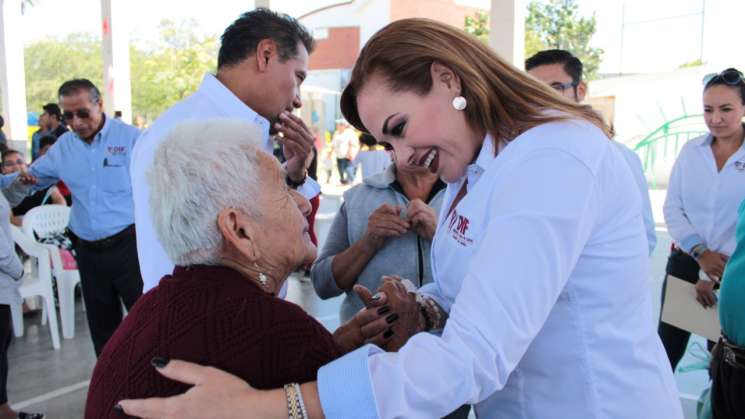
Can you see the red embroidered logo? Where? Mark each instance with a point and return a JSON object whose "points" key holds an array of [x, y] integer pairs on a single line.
{"points": [[116, 150], [458, 226]]}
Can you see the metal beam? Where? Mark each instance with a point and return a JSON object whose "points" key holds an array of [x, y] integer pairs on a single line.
{"points": [[117, 88], [507, 30], [12, 77]]}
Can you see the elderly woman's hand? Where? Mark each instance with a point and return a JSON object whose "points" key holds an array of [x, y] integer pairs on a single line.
{"points": [[385, 222], [406, 318], [423, 219], [369, 325]]}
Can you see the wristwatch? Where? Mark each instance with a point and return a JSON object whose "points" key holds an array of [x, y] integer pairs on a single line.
{"points": [[698, 250], [294, 185]]}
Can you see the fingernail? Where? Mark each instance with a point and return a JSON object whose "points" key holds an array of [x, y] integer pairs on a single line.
{"points": [[388, 333], [119, 409], [383, 310], [159, 362], [392, 318], [376, 297]]}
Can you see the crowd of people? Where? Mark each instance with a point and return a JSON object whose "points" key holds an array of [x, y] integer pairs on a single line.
{"points": [[494, 257]]}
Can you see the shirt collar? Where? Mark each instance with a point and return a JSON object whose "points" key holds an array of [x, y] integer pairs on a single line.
{"points": [[229, 103]]}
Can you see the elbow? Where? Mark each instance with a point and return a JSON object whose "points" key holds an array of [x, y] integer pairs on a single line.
{"points": [[322, 277]]}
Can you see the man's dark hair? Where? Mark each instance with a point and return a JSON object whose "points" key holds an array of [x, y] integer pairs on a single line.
{"points": [[241, 38], [367, 139], [53, 109], [572, 64], [74, 86], [47, 140], [7, 152], [2, 121]]}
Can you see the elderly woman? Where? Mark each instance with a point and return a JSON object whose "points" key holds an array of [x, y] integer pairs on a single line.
{"points": [[384, 227], [235, 232]]}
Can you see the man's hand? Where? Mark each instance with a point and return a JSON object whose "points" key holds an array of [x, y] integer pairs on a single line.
{"points": [[713, 263], [705, 293], [26, 178], [216, 394], [383, 223], [297, 144], [423, 219]]}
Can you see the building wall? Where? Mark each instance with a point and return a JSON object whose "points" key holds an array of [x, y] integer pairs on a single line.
{"points": [[442, 10], [338, 49], [368, 15]]}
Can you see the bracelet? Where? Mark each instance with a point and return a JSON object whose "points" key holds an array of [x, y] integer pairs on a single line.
{"points": [[295, 405], [294, 185]]}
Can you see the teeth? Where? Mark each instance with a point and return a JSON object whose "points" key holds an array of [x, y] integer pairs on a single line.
{"points": [[430, 158]]}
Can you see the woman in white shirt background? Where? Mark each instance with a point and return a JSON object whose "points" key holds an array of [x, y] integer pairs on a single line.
{"points": [[540, 305], [706, 187]]}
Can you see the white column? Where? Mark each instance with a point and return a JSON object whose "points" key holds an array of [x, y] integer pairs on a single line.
{"points": [[12, 77], [262, 3], [507, 30], [117, 88]]}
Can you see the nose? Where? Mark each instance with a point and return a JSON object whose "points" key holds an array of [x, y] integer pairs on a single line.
{"points": [[297, 102], [302, 203]]}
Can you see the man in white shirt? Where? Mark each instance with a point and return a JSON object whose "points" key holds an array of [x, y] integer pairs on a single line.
{"points": [[563, 72], [262, 62]]}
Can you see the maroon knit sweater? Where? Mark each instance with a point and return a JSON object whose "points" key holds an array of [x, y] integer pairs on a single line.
{"points": [[211, 316]]}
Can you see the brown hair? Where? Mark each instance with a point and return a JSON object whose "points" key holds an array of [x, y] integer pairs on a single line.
{"points": [[502, 100]]}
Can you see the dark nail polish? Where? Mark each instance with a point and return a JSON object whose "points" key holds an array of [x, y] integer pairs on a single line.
{"points": [[392, 318], [383, 310], [159, 362], [388, 333], [118, 409]]}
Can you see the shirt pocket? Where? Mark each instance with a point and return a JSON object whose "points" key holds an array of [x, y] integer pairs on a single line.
{"points": [[115, 176]]}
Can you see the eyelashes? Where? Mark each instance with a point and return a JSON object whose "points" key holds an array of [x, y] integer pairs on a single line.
{"points": [[398, 129]]}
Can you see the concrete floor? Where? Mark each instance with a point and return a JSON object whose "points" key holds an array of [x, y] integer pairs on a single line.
{"points": [[55, 382]]}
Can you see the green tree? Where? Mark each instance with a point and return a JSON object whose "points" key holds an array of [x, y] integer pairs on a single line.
{"points": [[551, 24]]}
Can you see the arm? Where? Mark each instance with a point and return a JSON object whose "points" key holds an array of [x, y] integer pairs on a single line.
{"points": [[678, 225], [56, 197], [9, 263]]}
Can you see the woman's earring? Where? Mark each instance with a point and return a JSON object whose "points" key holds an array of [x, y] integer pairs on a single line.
{"points": [[263, 279], [459, 103]]}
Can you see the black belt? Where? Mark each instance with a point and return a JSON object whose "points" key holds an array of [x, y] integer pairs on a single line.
{"points": [[732, 354], [110, 241]]}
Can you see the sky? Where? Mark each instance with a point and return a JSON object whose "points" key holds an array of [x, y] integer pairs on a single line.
{"points": [[637, 35]]}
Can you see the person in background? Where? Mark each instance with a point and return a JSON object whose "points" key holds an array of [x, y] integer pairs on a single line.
{"points": [[94, 160], [45, 144], [140, 123], [343, 143], [51, 120], [563, 72], [13, 162], [328, 161], [707, 184], [728, 360], [11, 276], [3, 139], [372, 159]]}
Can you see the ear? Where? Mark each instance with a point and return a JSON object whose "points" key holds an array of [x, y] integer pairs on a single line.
{"points": [[581, 91], [265, 50], [239, 234], [445, 77]]}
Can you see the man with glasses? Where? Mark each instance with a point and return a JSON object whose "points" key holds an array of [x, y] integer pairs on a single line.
{"points": [[93, 160], [563, 72]]}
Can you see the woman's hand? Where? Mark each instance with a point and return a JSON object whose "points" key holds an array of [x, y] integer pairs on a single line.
{"points": [[383, 223], [712, 263], [369, 325], [405, 316], [216, 394], [705, 293], [423, 219]]}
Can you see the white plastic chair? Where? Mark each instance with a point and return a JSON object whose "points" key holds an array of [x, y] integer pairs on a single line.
{"points": [[43, 221], [38, 282]]}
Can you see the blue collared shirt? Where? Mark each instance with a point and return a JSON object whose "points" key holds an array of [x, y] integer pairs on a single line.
{"points": [[97, 175]]}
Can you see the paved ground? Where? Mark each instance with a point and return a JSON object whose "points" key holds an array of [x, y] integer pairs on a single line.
{"points": [[55, 382]]}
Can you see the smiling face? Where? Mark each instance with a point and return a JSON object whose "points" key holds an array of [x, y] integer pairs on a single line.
{"points": [[423, 131], [723, 110]]}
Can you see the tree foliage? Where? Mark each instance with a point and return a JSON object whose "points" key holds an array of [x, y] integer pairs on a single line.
{"points": [[162, 72], [551, 24]]}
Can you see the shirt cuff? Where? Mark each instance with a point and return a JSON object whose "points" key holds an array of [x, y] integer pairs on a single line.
{"points": [[690, 242], [345, 388], [310, 189]]}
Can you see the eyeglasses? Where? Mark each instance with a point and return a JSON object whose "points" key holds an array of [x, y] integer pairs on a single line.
{"points": [[80, 113], [730, 77], [560, 87], [13, 163]]}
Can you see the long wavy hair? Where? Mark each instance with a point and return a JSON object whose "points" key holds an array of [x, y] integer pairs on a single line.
{"points": [[502, 100]]}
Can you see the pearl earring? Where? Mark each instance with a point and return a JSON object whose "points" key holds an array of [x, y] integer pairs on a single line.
{"points": [[459, 103], [263, 279]]}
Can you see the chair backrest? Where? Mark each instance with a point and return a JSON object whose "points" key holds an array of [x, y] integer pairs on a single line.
{"points": [[28, 244], [45, 220]]}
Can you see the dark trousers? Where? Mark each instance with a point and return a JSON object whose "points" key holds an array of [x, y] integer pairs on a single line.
{"points": [[342, 165], [5, 337], [728, 383], [675, 340], [108, 273]]}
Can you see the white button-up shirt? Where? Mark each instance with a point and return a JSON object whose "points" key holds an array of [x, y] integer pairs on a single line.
{"points": [[701, 204], [211, 100], [543, 267]]}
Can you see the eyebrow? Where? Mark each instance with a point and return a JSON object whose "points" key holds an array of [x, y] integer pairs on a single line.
{"points": [[385, 123]]}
